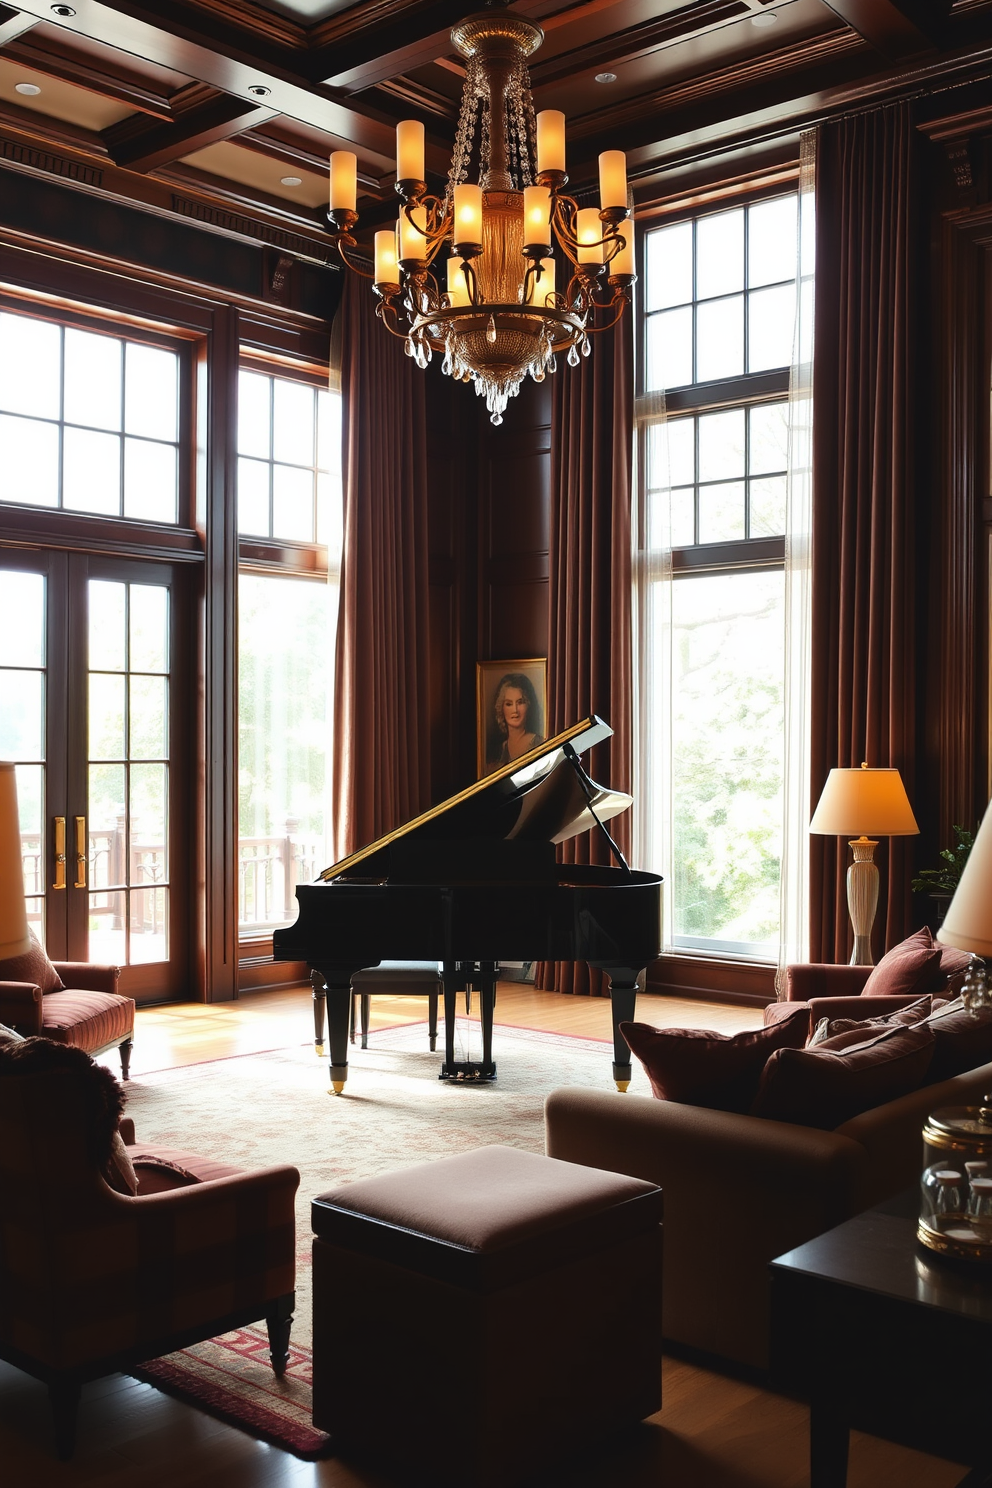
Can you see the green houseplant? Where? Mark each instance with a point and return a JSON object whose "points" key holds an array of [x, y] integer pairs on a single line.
{"points": [[944, 880]]}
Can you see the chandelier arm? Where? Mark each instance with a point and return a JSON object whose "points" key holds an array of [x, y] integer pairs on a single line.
{"points": [[345, 242], [439, 223], [386, 309], [620, 301]]}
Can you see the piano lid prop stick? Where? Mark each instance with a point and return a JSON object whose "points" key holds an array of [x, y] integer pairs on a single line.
{"points": [[587, 784]]}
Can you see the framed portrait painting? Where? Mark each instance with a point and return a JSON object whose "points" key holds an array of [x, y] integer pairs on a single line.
{"points": [[511, 710]]}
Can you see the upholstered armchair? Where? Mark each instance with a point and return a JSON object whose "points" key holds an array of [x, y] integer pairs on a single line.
{"points": [[87, 1011], [93, 1280]]}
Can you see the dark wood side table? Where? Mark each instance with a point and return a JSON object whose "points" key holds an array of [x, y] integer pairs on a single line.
{"points": [[883, 1336]]}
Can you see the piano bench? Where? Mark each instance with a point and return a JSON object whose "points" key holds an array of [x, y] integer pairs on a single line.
{"points": [[516, 1298], [395, 979]]}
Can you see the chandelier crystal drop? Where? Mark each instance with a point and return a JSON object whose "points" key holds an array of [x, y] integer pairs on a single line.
{"points": [[504, 304]]}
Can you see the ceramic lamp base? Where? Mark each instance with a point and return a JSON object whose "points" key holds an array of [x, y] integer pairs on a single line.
{"points": [[862, 899]]}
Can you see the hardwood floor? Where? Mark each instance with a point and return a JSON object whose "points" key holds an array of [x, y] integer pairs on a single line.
{"points": [[713, 1431]]}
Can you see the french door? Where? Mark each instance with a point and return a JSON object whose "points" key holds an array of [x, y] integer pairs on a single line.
{"points": [[94, 688]]}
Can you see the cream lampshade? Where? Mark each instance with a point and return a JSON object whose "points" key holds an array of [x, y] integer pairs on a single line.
{"points": [[968, 921], [14, 938], [865, 804]]}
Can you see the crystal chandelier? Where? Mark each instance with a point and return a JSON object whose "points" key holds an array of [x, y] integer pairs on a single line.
{"points": [[500, 313]]}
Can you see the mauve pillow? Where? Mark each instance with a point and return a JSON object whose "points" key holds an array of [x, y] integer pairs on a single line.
{"points": [[33, 966], [909, 969], [700, 1068], [963, 1040], [824, 1087]]}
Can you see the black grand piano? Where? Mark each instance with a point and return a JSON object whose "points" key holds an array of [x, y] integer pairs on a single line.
{"points": [[474, 881]]}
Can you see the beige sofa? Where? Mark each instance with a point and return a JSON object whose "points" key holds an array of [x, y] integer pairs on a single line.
{"points": [[740, 1190]]}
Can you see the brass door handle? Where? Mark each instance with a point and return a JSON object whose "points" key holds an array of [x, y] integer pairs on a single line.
{"points": [[80, 852], [59, 823]]}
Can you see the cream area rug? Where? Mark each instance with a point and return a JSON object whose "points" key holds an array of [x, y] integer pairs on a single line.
{"points": [[274, 1107], [260, 1109]]}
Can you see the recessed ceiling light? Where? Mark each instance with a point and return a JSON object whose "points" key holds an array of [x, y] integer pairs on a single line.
{"points": [[766, 18], [606, 77], [65, 11], [259, 90], [30, 90], [291, 180]]}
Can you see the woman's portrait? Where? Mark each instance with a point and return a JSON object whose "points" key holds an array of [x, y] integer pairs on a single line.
{"points": [[511, 701]]}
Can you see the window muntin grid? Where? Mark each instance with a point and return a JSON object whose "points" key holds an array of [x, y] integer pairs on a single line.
{"points": [[719, 297], [89, 421], [725, 471], [289, 466]]}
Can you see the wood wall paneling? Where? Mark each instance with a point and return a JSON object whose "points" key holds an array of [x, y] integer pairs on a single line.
{"points": [[515, 494]]}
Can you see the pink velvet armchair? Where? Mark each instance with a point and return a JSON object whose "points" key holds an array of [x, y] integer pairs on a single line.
{"points": [[93, 1280], [88, 1012]]}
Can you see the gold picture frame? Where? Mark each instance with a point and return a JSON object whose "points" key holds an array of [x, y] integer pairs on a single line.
{"points": [[521, 721]]}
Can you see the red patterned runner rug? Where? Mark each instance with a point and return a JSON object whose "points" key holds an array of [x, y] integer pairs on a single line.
{"points": [[231, 1378]]}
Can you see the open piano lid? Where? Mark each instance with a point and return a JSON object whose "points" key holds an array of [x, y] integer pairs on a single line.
{"points": [[537, 798]]}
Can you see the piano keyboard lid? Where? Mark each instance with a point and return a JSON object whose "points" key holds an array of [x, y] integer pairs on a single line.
{"points": [[537, 798]]}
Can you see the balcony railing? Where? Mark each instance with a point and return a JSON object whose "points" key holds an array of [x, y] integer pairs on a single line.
{"points": [[269, 868]]}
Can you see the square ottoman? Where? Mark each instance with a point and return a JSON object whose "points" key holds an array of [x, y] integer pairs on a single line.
{"points": [[481, 1316]]}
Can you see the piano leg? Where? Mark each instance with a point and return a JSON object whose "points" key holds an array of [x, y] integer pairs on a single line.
{"points": [[623, 996], [335, 988], [319, 1000]]}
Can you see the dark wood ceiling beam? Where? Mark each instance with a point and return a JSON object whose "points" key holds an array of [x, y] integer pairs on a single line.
{"points": [[895, 28], [623, 46], [14, 23], [82, 70], [154, 143], [367, 56], [161, 35]]}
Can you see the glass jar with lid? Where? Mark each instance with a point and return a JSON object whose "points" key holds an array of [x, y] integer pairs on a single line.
{"points": [[956, 1187]]}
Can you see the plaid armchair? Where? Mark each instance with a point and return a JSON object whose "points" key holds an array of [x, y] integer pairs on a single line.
{"points": [[92, 1281]]}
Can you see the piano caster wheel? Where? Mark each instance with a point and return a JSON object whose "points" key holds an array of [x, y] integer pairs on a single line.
{"points": [[622, 1086], [337, 1086], [318, 1049]]}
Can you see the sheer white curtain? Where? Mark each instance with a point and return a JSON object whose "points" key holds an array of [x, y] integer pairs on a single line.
{"points": [[652, 613], [794, 883]]}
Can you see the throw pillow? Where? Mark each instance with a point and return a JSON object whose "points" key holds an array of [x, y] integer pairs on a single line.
{"points": [[825, 1087], [119, 1171], [33, 966], [963, 1040], [101, 1098], [10, 1035], [907, 1016], [700, 1068], [908, 970]]}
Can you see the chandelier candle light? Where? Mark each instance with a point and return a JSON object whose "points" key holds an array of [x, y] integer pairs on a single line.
{"points": [[498, 313]]}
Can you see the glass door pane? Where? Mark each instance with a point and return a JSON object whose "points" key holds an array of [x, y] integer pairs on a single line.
{"points": [[128, 771]]}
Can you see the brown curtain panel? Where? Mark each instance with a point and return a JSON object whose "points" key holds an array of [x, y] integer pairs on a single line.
{"points": [[381, 772], [865, 460], [589, 666]]}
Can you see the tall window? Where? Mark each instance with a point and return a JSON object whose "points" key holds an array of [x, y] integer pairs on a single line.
{"points": [[289, 523], [717, 326]]}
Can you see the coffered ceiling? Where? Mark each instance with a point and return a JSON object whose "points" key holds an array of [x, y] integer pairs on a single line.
{"points": [[236, 103]]}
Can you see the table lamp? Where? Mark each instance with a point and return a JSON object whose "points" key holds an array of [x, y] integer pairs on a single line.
{"points": [[968, 921], [14, 938], [865, 804]]}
